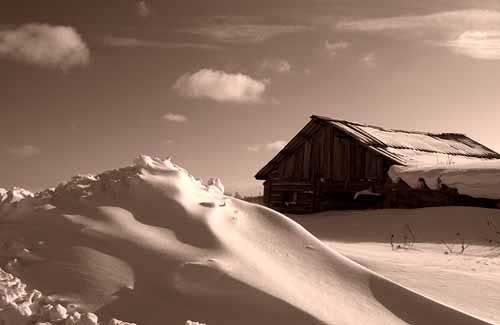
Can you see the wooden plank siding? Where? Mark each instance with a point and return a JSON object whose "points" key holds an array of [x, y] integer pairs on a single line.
{"points": [[324, 171], [306, 172]]}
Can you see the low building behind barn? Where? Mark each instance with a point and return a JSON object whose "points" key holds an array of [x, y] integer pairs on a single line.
{"points": [[335, 164]]}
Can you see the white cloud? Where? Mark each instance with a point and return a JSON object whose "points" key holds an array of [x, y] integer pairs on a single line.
{"points": [[245, 33], [278, 65], [271, 146], [333, 48], [276, 145], [24, 152], [477, 44], [130, 42], [220, 86], [172, 117], [478, 30], [143, 9], [168, 141], [369, 60], [254, 148], [44, 45], [454, 20]]}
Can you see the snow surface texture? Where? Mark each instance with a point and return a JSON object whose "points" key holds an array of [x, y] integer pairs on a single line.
{"points": [[480, 180], [19, 307], [152, 244], [468, 281]]}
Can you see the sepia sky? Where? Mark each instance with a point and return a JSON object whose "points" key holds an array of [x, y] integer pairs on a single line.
{"points": [[221, 85]]}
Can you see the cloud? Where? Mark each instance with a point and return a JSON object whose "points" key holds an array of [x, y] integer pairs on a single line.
{"points": [[451, 20], [254, 148], [178, 118], [276, 145], [333, 48], [369, 60], [229, 32], [477, 44], [24, 152], [130, 42], [220, 86], [278, 65], [478, 30], [168, 141], [271, 146], [143, 9], [58, 47]]}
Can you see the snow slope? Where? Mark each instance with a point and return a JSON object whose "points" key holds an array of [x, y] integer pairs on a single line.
{"points": [[468, 281], [479, 179], [151, 244]]}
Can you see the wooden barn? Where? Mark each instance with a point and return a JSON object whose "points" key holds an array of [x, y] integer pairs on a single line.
{"points": [[335, 164]]}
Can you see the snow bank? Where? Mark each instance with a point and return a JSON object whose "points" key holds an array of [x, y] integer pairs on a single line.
{"points": [[153, 244], [479, 179]]}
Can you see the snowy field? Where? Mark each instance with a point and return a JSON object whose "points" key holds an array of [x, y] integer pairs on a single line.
{"points": [[152, 245], [468, 281]]}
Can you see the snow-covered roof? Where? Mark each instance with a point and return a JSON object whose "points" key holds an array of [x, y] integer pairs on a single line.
{"points": [[416, 148], [477, 179]]}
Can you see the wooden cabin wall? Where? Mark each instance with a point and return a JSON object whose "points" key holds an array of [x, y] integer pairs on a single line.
{"points": [[329, 166], [267, 192], [293, 166], [306, 171], [332, 155], [328, 154], [282, 197], [340, 153]]}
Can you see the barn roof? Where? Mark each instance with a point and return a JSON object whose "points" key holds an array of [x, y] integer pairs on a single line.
{"points": [[400, 146]]}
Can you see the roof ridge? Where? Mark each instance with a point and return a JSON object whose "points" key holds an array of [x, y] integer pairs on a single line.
{"points": [[387, 129]]}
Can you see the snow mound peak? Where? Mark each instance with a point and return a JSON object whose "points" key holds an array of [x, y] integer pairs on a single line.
{"points": [[16, 194], [113, 184], [144, 161], [186, 185]]}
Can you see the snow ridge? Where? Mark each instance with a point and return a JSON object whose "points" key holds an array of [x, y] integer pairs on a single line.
{"points": [[87, 186]]}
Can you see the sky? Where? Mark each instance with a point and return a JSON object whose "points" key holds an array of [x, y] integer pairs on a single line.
{"points": [[222, 85]]}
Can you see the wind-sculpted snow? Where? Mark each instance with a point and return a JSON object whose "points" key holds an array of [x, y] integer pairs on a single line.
{"points": [[154, 245], [86, 186]]}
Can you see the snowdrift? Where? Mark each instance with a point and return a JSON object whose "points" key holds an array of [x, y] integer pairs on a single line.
{"points": [[151, 244], [479, 179], [468, 281]]}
